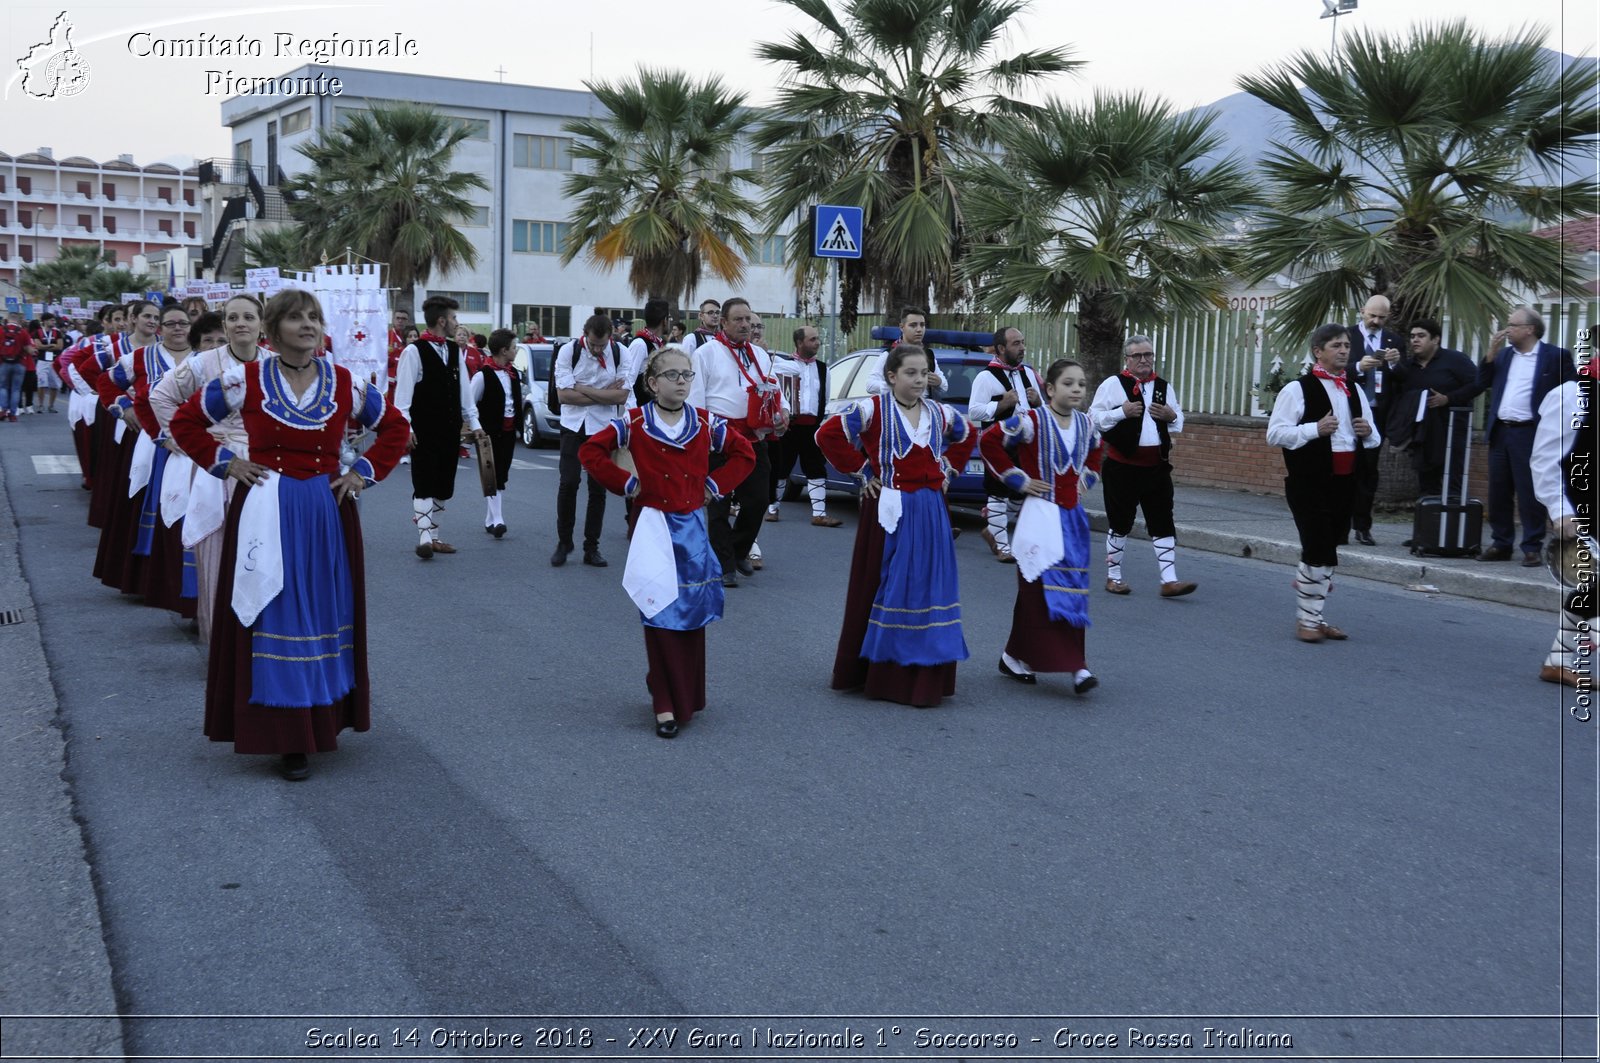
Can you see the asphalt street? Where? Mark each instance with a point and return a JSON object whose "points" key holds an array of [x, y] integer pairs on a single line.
{"points": [[1337, 840]]}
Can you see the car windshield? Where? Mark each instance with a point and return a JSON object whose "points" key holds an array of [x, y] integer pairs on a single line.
{"points": [[539, 365], [959, 377]]}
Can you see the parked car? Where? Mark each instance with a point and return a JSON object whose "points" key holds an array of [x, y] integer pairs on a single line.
{"points": [[532, 362], [847, 384]]}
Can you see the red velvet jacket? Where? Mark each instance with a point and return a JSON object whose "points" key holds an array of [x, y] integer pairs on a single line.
{"points": [[671, 476], [1026, 466], [851, 442]]}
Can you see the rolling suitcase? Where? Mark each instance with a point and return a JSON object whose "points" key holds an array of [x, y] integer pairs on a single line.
{"points": [[1450, 525]]}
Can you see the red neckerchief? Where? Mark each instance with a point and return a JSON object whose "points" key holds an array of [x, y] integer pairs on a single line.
{"points": [[431, 338], [650, 338], [741, 351], [1137, 383], [1339, 381], [802, 358]]}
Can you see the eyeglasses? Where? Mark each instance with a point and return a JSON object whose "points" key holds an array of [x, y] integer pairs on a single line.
{"points": [[1146, 356], [175, 323], [1519, 324], [676, 375]]}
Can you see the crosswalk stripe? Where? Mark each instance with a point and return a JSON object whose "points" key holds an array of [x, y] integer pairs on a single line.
{"points": [[56, 465]]}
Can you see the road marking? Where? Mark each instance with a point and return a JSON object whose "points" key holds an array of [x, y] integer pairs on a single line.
{"points": [[56, 465], [519, 463]]}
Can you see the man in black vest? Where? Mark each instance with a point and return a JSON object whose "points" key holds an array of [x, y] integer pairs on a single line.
{"points": [[1137, 414], [1372, 347], [432, 391], [1322, 423], [497, 392], [1006, 387], [1564, 481], [805, 379]]}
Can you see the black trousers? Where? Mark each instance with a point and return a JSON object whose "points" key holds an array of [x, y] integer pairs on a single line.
{"points": [[1321, 509], [732, 541], [433, 463], [1366, 489], [504, 442], [567, 495], [799, 444], [1131, 488]]}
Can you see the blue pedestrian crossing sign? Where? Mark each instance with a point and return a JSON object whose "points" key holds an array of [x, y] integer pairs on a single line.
{"points": [[835, 231]]}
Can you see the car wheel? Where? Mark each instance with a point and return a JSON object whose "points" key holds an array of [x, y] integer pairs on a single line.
{"points": [[530, 429]]}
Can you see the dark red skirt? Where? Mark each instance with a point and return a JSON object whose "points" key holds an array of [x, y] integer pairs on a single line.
{"points": [[103, 458], [81, 443], [922, 686], [114, 563], [677, 675], [1043, 644], [161, 575], [256, 728]]}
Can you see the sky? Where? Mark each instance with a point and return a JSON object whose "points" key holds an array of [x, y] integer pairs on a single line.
{"points": [[167, 108]]}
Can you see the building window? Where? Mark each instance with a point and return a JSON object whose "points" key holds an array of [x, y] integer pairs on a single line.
{"points": [[109, 190], [165, 227], [3, 215], [243, 154], [553, 321], [471, 302], [25, 185], [84, 189], [478, 217], [111, 256], [298, 122], [188, 196], [477, 128], [86, 221], [110, 224], [164, 194], [2, 183], [25, 251], [539, 237], [541, 153], [770, 251], [25, 218], [188, 228], [5, 252]]}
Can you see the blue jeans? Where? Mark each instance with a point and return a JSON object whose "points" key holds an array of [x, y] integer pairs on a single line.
{"points": [[11, 374], [1511, 480]]}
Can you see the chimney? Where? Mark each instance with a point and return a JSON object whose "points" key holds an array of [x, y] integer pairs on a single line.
{"points": [[125, 158], [48, 153]]}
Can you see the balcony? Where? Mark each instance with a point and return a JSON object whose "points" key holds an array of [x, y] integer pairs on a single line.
{"points": [[228, 172]]}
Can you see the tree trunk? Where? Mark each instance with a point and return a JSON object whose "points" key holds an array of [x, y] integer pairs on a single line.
{"points": [[408, 300], [1100, 338]]}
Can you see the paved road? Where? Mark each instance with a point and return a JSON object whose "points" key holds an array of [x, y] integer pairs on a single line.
{"points": [[1234, 824]]}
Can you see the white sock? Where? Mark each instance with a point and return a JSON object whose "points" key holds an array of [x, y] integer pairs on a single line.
{"points": [[1015, 665], [755, 552], [772, 507], [1081, 674], [1114, 546], [423, 510], [1166, 551], [1566, 650], [817, 490], [995, 512], [492, 517], [1312, 585]]}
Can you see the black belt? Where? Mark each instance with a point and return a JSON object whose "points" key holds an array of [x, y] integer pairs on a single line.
{"points": [[1517, 424]]}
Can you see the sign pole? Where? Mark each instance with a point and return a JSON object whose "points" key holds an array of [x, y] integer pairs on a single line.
{"points": [[833, 322]]}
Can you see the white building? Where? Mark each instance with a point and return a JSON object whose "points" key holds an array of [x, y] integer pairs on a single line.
{"points": [[516, 143]]}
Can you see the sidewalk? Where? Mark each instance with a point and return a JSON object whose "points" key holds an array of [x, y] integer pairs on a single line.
{"points": [[1259, 526]]}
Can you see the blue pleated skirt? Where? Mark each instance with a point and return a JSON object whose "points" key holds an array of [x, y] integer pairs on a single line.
{"points": [[699, 576], [150, 511], [916, 614], [303, 643], [1066, 583]]}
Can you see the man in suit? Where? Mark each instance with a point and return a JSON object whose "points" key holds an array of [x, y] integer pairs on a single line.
{"points": [[1519, 375], [1372, 346]]}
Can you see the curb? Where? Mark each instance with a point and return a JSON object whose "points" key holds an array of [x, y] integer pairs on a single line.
{"points": [[55, 961]]}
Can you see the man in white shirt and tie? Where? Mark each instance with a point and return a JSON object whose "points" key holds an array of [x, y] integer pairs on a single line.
{"points": [[1372, 347]]}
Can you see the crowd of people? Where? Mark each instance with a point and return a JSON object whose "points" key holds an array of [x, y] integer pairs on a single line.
{"points": [[224, 452]]}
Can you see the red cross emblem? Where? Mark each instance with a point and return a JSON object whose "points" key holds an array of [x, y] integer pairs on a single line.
{"points": [[360, 335]]}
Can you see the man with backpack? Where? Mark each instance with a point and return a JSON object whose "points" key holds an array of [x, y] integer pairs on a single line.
{"points": [[710, 325], [15, 346], [589, 388], [648, 341]]}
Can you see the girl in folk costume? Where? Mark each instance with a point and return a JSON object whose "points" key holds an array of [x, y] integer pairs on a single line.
{"points": [[101, 351], [288, 668], [110, 372], [901, 636], [1057, 454], [168, 579], [673, 574], [497, 392], [81, 407], [221, 343]]}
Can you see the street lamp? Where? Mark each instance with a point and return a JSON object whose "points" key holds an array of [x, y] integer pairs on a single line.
{"points": [[1332, 9]]}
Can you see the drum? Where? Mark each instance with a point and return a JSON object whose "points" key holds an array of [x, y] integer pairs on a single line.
{"points": [[486, 476]]}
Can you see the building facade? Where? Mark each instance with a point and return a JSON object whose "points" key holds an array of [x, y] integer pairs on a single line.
{"points": [[118, 206], [515, 141]]}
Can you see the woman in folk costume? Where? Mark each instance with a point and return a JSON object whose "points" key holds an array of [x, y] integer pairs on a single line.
{"points": [[81, 407], [901, 636], [1056, 454], [100, 353], [497, 392], [673, 575], [288, 665], [168, 577], [110, 372]]}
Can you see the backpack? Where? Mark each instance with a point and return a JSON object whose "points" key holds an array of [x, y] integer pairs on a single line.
{"points": [[13, 341], [552, 396], [641, 390]]}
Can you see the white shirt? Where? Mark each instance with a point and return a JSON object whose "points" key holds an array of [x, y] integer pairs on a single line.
{"points": [[1516, 403], [505, 385], [588, 372], [1553, 440], [638, 354], [1284, 429], [877, 385], [720, 387], [1106, 409], [409, 373], [810, 384], [987, 392]]}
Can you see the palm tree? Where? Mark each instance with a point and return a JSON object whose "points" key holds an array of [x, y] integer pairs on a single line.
{"points": [[83, 270], [381, 185], [880, 104], [660, 190], [282, 246], [1403, 167], [1117, 206]]}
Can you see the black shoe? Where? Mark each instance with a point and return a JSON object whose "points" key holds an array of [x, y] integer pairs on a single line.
{"points": [[1409, 542], [1084, 685], [729, 579], [1365, 538], [559, 558], [592, 556], [294, 767], [498, 530], [488, 529], [425, 551], [1496, 553], [667, 729], [1021, 677], [744, 567]]}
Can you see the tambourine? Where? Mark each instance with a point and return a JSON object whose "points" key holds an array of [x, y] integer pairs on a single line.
{"points": [[486, 475]]}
